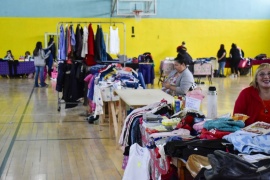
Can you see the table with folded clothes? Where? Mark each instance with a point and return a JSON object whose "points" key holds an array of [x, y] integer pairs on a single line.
{"points": [[218, 149], [198, 147], [203, 67], [134, 66], [102, 82]]}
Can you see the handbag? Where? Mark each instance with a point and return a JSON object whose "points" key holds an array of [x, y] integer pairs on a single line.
{"points": [[242, 63]]}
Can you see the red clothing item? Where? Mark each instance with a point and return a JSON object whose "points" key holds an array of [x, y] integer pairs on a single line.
{"points": [[250, 103], [90, 60], [213, 134]]}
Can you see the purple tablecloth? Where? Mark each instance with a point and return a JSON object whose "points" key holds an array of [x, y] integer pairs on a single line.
{"points": [[22, 68]]}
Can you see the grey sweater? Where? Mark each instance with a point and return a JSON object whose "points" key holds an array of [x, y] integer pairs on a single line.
{"points": [[183, 82]]}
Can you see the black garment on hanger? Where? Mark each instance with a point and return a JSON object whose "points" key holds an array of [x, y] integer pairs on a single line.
{"points": [[79, 42]]}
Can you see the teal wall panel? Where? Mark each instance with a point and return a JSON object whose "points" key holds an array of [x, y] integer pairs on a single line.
{"points": [[182, 9]]}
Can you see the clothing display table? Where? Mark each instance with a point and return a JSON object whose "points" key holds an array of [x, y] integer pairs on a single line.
{"points": [[204, 69], [258, 62], [166, 66], [22, 67], [137, 98]]}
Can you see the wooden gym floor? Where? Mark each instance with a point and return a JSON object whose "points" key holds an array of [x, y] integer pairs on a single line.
{"points": [[37, 142]]}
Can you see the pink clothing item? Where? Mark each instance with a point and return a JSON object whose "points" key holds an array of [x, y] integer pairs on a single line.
{"points": [[88, 79], [249, 103], [178, 132], [197, 94], [198, 126]]}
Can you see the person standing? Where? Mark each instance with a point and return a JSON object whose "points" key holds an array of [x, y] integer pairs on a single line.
{"points": [[235, 59], [235, 55], [39, 61], [221, 55]]}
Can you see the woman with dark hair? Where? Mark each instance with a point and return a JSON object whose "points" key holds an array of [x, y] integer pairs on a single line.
{"points": [[221, 55], [235, 55], [39, 61], [180, 80], [12, 64]]}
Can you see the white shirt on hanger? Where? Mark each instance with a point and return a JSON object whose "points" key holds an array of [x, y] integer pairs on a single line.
{"points": [[114, 41], [138, 163], [85, 42]]}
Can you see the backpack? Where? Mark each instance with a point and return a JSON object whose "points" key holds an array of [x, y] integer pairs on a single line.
{"points": [[260, 57]]}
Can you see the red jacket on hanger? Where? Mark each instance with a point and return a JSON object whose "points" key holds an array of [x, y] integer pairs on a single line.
{"points": [[89, 59]]}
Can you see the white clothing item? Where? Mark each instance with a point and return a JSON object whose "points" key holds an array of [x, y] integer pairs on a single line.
{"points": [[97, 99], [161, 151], [114, 41], [138, 163], [85, 42], [179, 132]]}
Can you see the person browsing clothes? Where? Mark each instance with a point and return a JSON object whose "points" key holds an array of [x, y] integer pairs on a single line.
{"points": [[254, 100], [180, 80], [39, 61]]}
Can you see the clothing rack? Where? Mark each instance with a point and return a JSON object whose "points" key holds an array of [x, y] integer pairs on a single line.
{"points": [[89, 22], [86, 22]]}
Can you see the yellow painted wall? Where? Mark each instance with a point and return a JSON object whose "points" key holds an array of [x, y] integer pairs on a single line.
{"points": [[158, 36]]}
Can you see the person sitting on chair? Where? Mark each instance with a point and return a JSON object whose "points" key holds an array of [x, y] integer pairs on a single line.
{"points": [[180, 80], [12, 64]]}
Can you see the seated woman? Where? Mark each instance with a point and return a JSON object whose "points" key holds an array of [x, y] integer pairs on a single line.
{"points": [[180, 80], [27, 56], [12, 64], [254, 100]]}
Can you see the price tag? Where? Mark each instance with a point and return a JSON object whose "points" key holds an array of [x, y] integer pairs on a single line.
{"points": [[192, 103]]}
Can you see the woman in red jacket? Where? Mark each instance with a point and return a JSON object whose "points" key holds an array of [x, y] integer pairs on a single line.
{"points": [[254, 100]]}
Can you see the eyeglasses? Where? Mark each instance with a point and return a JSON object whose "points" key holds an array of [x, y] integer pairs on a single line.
{"points": [[263, 74]]}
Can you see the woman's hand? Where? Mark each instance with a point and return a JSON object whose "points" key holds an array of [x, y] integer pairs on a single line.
{"points": [[167, 85]]}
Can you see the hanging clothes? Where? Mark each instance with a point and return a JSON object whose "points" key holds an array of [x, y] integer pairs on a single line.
{"points": [[103, 53], [90, 58], [97, 45], [67, 35], [72, 38], [61, 45], [79, 42], [85, 42], [114, 41]]}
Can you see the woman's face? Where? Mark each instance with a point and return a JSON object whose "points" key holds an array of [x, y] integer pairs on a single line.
{"points": [[179, 67], [263, 78]]}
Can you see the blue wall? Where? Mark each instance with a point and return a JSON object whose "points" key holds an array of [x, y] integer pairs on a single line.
{"points": [[185, 9]]}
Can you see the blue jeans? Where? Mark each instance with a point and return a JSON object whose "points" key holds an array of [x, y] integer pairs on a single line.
{"points": [[221, 66], [39, 72]]}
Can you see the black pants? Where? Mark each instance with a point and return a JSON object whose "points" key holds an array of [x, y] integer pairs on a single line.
{"points": [[234, 65], [12, 65]]}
